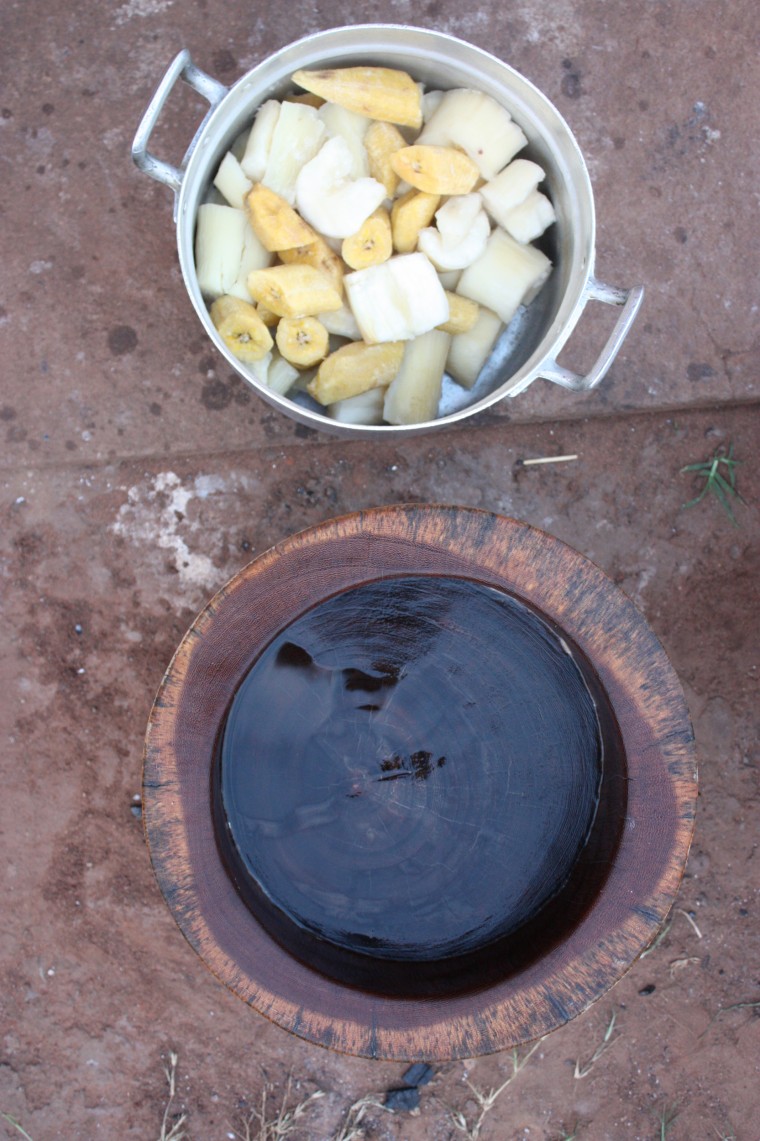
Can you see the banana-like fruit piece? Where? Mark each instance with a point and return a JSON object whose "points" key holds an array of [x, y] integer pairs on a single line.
{"points": [[298, 135], [231, 181], [319, 256], [355, 368], [479, 125], [378, 92], [219, 240], [293, 290], [352, 128], [410, 214], [381, 141], [269, 318], [505, 276], [511, 187], [306, 98], [303, 341], [274, 222], [256, 153], [333, 202], [463, 314], [460, 235], [436, 170], [398, 300], [414, 393], [469, 351], [241, 328], [371, 244], [366, 408], [531, 218]]}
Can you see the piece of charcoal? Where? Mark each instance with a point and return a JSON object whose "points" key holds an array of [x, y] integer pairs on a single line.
{"points": [[402, 1100], [418, 1075]]}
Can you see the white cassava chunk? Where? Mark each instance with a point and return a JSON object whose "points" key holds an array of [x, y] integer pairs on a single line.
{"points": [[366, 408], [469, 351], [478, 125], [397, 300], [254, 160], [297, 137], [505, 276], [231, 181], [529, 220], [415, 392], [219, 241]]}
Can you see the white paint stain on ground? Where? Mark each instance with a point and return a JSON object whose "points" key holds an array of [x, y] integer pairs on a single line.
{"points": [[155, 512], [140, 8]]}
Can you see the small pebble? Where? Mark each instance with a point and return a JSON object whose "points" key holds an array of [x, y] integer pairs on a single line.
{"points": [[418, 1075], [648, 989], [402, 1100]]}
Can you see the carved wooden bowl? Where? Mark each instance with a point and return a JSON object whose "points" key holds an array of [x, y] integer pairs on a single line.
{"points": [[419, 783]]}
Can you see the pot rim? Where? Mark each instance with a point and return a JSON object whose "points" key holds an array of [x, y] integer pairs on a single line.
{"points": [[530, 107]]}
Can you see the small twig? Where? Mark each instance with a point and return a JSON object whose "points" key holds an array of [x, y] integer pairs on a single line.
{"points": [[281, 1125], [351, 1129], [607, 1041], [679, 964], [732, 1006], [549, 460], [176, 1133], [686, 915], [486, 1101], [12, 1121]]}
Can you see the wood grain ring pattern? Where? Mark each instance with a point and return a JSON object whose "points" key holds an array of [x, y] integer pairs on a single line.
{"points": [[648, 705]]}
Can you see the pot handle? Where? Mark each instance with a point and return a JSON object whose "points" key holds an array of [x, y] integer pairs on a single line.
{"points": [[181, 68], [630, 299]]}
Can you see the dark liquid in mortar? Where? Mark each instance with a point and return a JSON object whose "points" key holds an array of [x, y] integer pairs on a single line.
{"points": [[408, 772]]}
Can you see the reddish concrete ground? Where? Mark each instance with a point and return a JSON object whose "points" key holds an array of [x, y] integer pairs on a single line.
{"points": [[138, 475]]}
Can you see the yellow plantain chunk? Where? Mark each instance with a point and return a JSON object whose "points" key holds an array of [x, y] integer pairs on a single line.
{"points": [[319, 256], [380, 142], [307, 99], [462, 317], [241, 328], [377, 92], [356, 368], [302, 340], [436, 170], [371, 244], [293, 290], [411, 213], [274, 222], [267, 316]]}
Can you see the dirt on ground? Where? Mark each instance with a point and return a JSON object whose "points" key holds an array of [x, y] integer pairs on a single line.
{"points": [[139, 473], [105, 567]]}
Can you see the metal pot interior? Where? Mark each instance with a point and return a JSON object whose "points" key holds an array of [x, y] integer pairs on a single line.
{"points": [[537, 333]]}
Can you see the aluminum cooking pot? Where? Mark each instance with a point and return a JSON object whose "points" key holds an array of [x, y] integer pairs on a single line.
{"points": [[531, 344]]}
